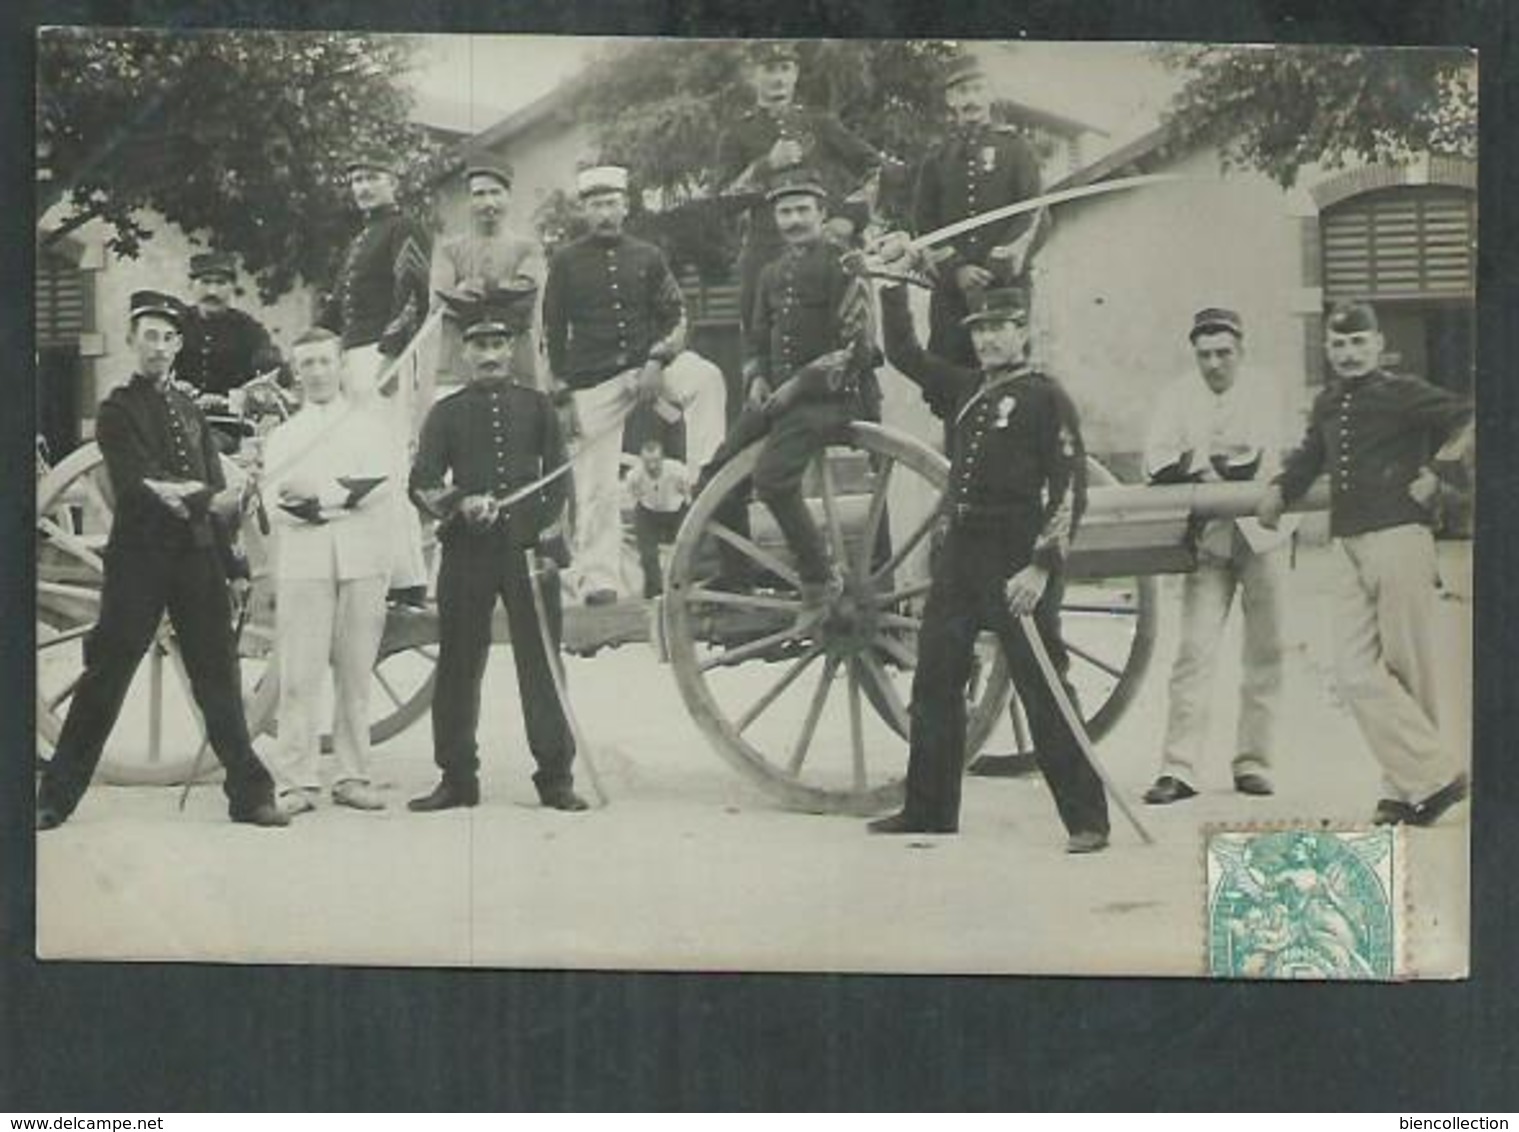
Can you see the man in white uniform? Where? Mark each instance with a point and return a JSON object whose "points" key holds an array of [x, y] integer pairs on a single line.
{"points": [[1222, 422], [332, 558]]}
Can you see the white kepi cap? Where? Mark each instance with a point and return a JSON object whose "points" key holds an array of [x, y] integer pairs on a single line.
{"points": [[602, 179]]}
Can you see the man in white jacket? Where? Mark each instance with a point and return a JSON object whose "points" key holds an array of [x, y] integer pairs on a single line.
{"points": [[326, 470], [1222, 422]]}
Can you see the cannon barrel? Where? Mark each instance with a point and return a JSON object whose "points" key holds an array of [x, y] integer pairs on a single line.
{"points": [[1197, 500]]}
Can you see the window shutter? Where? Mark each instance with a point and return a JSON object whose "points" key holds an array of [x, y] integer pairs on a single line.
{"points": [[1402, 243], [60, 302]]}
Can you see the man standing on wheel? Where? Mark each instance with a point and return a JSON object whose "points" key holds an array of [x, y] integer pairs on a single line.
{"points": [[479, 445], [1017, 488], [167, 551]]}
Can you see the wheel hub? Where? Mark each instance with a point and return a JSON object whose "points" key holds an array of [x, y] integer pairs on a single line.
{"points": [[849, 621]]}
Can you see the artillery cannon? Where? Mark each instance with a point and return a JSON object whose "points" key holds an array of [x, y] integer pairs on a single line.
{"points": [[789, 739]]}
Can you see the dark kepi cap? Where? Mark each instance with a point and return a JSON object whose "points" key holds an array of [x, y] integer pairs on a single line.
{"points": [[1213, 320], [203, 264], [156, 302], [771, 51], [1006, 304], [795, 180], [961, 68], [376, 158], [1352, 318], [501, 171], [503, 310]]}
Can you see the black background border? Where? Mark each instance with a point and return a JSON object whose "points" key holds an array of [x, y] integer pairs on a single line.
{"points": [[84, 1037]]}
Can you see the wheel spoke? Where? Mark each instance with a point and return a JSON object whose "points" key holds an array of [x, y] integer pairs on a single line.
{"points": [[389, 688], [814, 712], [906, 593], [92, 489], [908, 546], [56, 699], [790, 677], [873, 518], [73, 544], [743, 600], [1020, 725], [1095, 662], [882, 680], [856, 729], [899, 621], [64, 636], [761, 644], [831, 512], [763, 557], [72, 593], [899, 652], [1127, 609]]}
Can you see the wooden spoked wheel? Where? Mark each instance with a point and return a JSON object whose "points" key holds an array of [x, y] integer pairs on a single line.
{"points": [[159, 736]]}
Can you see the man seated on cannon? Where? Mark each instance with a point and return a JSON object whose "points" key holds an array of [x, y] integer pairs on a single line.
{"points": [[615, 324], [479, 445], [327, 479], [1017, 488], [228, 356], [1384, 440], [168, 550], [810, 374]]}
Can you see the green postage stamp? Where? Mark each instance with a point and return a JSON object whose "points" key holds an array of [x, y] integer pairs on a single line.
{"points": [[1305, 903]]}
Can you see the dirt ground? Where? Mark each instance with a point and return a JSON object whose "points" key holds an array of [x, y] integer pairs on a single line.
{"points": [[690, 867]]}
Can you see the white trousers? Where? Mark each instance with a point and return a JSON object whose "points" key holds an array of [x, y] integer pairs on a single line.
{"points": [[322, 624], [693, 384], [363, 366], [1207, 596], [1386, 659]]}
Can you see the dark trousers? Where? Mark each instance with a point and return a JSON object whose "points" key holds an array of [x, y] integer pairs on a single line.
{"points": [[474, 572], [140, 584], [653, 529], [967, 596]]}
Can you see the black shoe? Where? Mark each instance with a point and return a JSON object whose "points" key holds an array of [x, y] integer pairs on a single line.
{"points": [[1167, 789], [447, 795], [1391, 811], [903, 823], [412, 597], [49, 818], [1087, 841], [266, 813], [1004, 766], [1428, 811], [563, 798], [1250, 783]]}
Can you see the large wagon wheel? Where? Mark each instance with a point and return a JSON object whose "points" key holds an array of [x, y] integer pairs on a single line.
{"points": [[785, 735], [159, 735]]}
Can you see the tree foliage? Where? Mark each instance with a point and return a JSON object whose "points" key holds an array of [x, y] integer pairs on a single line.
{"points": [[240, 135], [1278, 109]]}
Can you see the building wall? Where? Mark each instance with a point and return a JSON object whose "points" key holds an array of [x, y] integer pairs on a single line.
{"points": [[1119, 278]]}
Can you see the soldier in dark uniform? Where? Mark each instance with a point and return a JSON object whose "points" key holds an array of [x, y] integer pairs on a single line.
{"points": [[811, 372], [377, 303], [478, 445], [778, 133], [978, 167], [167, 550], [223, 347], [1016, 492]]}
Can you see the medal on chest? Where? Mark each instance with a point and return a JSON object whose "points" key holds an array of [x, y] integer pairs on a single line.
{"points": [[1005, 406], [988, 158]]}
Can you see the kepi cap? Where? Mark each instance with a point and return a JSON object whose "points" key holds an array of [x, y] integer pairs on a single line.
{"points": [[961, 68], [502, 310], [376, 158], [158, 303], [601, 179], [203, 264], [1211, 320], [1352, 318], [1006, 304], [501, 171], [771, 51], [795, 180]]}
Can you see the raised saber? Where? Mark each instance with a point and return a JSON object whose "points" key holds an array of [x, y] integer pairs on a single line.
{"points": [[1068, 713]]}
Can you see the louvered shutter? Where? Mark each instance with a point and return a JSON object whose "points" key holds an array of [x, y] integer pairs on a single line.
{"points": [[60, 302], [709, 304], [1402, 243]]}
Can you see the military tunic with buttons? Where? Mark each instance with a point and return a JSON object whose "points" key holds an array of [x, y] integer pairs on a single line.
{"points": [[1017, 489], [492, 437], [222, 351], [842, 160], [380, 293], [969, 173], [157, 561], [609, 303]]}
